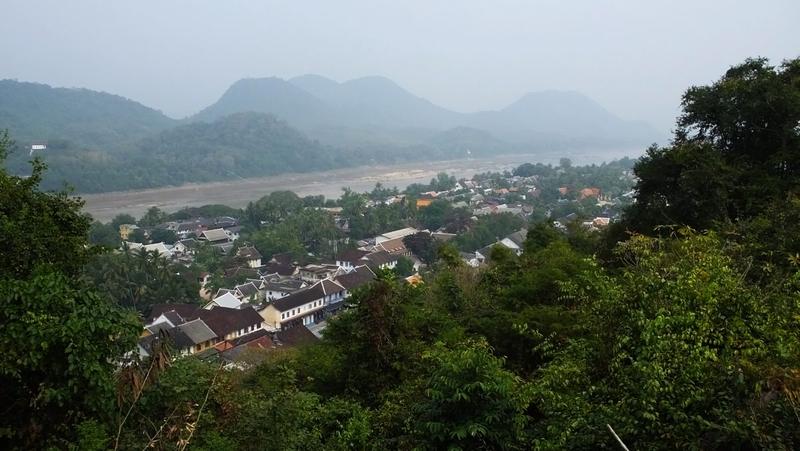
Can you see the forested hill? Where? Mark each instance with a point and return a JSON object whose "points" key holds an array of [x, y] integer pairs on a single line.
{"points": [[236, 146], [74, 117]]}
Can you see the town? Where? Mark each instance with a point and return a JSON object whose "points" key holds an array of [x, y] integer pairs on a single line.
{"points": [[257, 291]]}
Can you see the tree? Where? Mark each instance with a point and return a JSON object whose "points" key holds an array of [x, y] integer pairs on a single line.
{"points": [[137, 236], [104, 235], [62, 342], [736, 151], [471, 401], [433, 216], [163, 235], [138, 279], [61, 339], [422, 245], [540, 235], [38, 227], [404, 267], [153, 217], [443, 182], [120, 219], [487, 230], [681, 344]]}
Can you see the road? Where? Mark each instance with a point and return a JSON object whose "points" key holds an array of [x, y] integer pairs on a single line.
{"points": [[237, 193]]}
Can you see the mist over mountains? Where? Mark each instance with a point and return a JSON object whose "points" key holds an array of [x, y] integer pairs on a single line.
{"points": [[265, 126], [314, 103]]}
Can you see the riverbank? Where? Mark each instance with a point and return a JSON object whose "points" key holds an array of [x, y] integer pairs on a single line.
{"points": [[237, 193]]}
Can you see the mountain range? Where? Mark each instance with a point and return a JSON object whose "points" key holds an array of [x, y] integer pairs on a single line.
{"points": [[262, 126], [315, 103]]}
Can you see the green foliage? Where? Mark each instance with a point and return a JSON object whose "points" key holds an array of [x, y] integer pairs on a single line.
{"points": [[487, 230], [153, 217], [138, 279], [404, 267], [736, 151], [37, 226], [163, 235], [62, 342], [423, 246], [122, 218], [683, 347], [539, 236], [433, 216], [104, 235], [470, 401]]}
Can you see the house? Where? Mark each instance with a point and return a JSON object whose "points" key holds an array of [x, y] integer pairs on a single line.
{"points": [[165, 320], [315, 273], [228, 323], [359, 276], [515, 241], [248, 292], [350, 258], [601, 222], [394, 246], [295, 336], [250, 256], [281, 264], [214, 237], [304, 307], [586, 193], [381, 259], [470, 258], [424, 202], [225, 300], [187, 338], [163, 249], [184, 311], [185, 247], [236, 350], [199, 328], [400, 233], [277, 286]]}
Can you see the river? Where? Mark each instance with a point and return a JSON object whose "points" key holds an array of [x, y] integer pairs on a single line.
{"points": [[237, 193]]}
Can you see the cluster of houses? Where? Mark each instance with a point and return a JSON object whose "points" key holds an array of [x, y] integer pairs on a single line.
{"points": [[280, 303], [220, 233]]}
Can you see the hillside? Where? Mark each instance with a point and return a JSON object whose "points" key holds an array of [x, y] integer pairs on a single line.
{"points": [[560, 114], [376, 101], [269, 95], [236, 146], [74, 117], [239, 145]]}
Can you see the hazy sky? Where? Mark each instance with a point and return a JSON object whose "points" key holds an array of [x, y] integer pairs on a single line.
{"points": [[634, 57]]}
